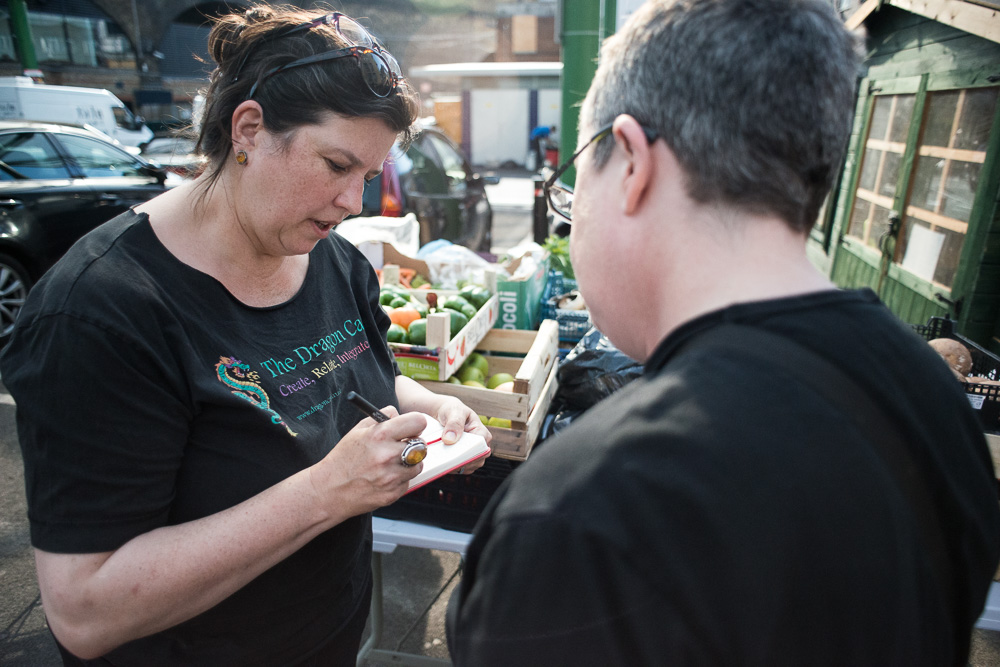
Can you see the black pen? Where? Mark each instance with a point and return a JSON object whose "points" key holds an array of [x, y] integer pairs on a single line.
{"points": [[415, 449], [366, 406]]}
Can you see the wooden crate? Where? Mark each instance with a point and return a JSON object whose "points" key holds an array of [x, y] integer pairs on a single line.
{"points": [[444, 351], [535, 384]]}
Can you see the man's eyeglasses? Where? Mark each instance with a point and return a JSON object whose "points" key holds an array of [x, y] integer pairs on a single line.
{"points": [[380, 71], [559, 196]]}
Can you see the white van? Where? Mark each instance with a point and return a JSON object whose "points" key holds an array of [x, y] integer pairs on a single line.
{"points": [[23, 99]]}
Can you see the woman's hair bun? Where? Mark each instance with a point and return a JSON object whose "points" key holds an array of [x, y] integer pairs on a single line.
{"points": [[258, 13], [225, 35]]}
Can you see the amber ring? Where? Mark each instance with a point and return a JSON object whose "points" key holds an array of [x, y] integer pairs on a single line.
{"points": [[414, 452]]}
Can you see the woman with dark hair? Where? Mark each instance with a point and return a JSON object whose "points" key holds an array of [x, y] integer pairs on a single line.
{"points": [[199, 489]]}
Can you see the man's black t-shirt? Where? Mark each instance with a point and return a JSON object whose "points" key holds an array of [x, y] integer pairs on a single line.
{"points": [[719, 512], [149, 396]]}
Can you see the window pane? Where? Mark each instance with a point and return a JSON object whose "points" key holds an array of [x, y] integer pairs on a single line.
{"points": [[949, 159], [97, 159], [80, 36], [940, 117], [879, 126], [930, 252], [31, 155], [890, 174], [113, 47], [7, 52], [869, 169], [880, 167], [976, 119], [868, 222], [48, 37], [901, 113]]}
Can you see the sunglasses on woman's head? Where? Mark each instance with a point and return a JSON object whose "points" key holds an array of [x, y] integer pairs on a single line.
{"points": [[380, 71]]}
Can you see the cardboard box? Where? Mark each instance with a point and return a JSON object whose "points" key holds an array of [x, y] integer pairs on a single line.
{"points": [[535, 385], [521, 300]]}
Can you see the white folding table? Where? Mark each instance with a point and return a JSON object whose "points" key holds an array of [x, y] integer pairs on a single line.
{"points": [[990, 620], [387, 535]]}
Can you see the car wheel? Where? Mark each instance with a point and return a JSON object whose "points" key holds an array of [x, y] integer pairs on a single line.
{"points": [[14, 285]]}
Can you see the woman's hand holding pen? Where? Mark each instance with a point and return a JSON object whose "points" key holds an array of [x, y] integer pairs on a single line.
{"points": [[363, 472]]}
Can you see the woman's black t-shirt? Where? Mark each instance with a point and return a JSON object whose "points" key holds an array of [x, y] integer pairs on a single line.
{"points": [[148, 396]]}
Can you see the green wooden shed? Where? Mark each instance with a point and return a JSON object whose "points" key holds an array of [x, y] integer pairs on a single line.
{"points": [[915, 214]]}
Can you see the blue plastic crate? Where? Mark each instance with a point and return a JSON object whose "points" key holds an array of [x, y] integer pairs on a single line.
{"points": [[573, 324]]}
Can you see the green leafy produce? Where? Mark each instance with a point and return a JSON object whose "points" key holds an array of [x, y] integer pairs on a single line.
{"points": [[558, 248]]}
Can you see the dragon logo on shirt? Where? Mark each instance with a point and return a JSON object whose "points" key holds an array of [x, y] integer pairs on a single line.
{"points": [[234, 374]]}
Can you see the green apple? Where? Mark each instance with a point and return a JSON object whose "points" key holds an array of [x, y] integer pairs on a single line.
{"points": [[477, 360], [498, 379], [497, 421], [474, 383], [467, 373]]}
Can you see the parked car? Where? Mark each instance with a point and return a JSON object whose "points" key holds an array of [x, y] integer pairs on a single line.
{"points": [[435, 181], [58, 182], [175, 154]]}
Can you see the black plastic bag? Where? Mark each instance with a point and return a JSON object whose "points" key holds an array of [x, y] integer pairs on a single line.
{"points": [[592, 371]]}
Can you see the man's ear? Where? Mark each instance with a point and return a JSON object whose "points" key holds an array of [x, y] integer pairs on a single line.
{"points": [[639, 174], [248, 122]]}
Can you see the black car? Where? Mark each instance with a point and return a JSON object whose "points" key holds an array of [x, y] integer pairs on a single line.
{"points": [[58, 182], [433, 180]]}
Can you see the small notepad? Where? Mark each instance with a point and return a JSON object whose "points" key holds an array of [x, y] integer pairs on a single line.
{"points": [[441, 459]]}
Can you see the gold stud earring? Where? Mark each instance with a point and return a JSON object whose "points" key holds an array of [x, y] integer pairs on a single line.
{"points": [[241, 157]]}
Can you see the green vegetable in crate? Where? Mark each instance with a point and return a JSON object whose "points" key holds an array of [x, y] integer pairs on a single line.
{"points": [[458, 320], [476, 295], [399, 302], [417, 333], [396, 334], [461, 305]]}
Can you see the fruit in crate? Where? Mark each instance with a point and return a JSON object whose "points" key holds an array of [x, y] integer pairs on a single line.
{"points": [[957, 356], [498, 421], [471, 373], [477, 360], [498, 379]]}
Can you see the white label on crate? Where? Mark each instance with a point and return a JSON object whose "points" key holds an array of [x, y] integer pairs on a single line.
{"points": [[976, 401]]}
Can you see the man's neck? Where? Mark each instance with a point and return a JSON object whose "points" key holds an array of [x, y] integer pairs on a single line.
{"points": [[752, 259]]}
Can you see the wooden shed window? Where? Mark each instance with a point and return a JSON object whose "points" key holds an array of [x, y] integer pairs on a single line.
{"points": [[950, 156], [880, 165], [947, 159]]}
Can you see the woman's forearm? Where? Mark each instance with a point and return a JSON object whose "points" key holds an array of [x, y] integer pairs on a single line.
{"points": [[96, 602]]}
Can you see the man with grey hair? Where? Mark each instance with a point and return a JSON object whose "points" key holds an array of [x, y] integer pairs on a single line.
{"points": [[797, 478]]}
